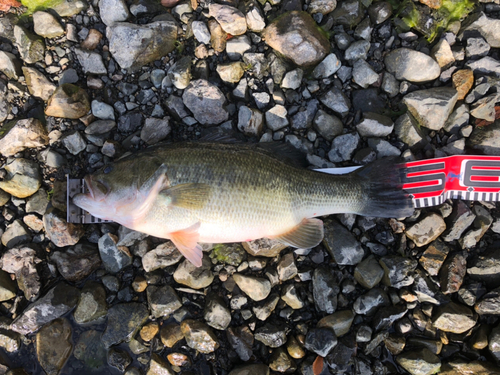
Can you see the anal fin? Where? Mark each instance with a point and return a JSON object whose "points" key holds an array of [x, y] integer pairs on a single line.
{"points": [[186, 241], [307, 234]]}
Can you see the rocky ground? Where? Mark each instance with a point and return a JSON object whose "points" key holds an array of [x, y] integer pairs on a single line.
{"points": [[346, 83]]}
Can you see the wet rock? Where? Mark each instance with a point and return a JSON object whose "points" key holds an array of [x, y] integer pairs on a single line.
{"points": [[148, 332], [216, 314], [296, 36], [112, 11], [419, 362], [339, 321], [54, 346], [15, 233], [237, 46], [294, 348], [433, 257], [341, 244], [162, 256], [76, 263], [348, 13], [251, 369], [486, 268], [38, 84], [23, 178], [280, 361], [22, 263], [453, 272], [206, 102], [431, 107], [368, 273], [241, 340], [426, 230], [119, 359], [194, 277], [426, 289], [368, 303], [287, 269], [290, 296], [363, 74], [180, 73], [454, 318], [459, 220], [171, 334], [92, 305], [158, 366], [10, 65], [22, 134], [410, 65], [162, 300], [343, 147], [325, 290], [199, 336], [250, 121], [68, 101], [375, 125], [133, 46], [489, 304], [124, 320], [230, 19], [114, 258], [59, 231], [264, 310], [386, 316], [320, 341], [7, 287], [271, 335], [398, 271], [58, 301], [31, 47], [339, 358], [9, 341], [256, 288]]}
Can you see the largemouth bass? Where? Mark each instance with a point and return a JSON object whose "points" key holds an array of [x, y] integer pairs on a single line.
{"points": [[195, 193]]}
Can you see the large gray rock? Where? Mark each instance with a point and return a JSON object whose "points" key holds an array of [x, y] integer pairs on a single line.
{"points": [[411, 65], [341, 244], [17, 136], [112, 11], [296, 36], [426, 230], [454, 318], [134, 46], [76, 263], [488, 27], [206, 102], [31, 47], [485, 138], [23, 178]]}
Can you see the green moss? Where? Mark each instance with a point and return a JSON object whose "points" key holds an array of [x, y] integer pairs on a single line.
{"points": [[232, 254], [34, 5]]}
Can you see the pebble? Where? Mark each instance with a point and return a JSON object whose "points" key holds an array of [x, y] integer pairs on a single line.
{"points": [[68, 101], [419, 362], [192, 276], [162, 300], [410, 65], [22, 262], [114, 258], [206, 102], [22, 178], [320, 341], [339, 321], [38, 84], [199, 336], [375, 125], [124, 321], [453, 317], [256, 288], [341, 244], [54, 345], [271, 335], [216, 314], [241, 340], [398, 271], [92, 304], [77, 262], [426, 230]]}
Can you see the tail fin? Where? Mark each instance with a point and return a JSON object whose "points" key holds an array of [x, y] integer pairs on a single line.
{"points": [[384, 196]]}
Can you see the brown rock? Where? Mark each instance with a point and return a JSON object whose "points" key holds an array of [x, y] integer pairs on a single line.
{"points": [[452, 273], [433, 4], [38, 84], [171, 334], [149, 331], [92, 40], [199, 336], [263, 247], [463, 80], [68, 101], [218, 37], [178, 359], [16, 136], [60, 232], [454, 318], [53, 345], [432, 259]]}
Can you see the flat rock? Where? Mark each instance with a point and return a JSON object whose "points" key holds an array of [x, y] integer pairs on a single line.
{"points": [[410, 65], [296, 36], [124, 320], [54, 345], [15, 233], [341, 244], [368, 273], [112, 11], [134, 46], [155, 130], [460, 219], [46, 25], [433, 257], [23, 178], [454, 318], [91, 62], [320, 340], [398, 271], [325, 290], [194, 277], [339, 321], [230, 18], [199, 336], [452, 272], [77, 262], [21, 262], [419, 362], [271, 335], [206, 102], [59, 231], [10, 65], [162, 256], [489, 28], [489, 303], [19, 135], [260, 369], [426, 230], [58, 301], [92, 304], [7, 287], [38, 84], [162, 300], [375, 125], [31, 47], [216, 313], [256, 288], [68, 101], [114, 258]]}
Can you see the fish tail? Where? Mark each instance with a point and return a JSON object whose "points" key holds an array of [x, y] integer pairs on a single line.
{"points": [[383, 189]]}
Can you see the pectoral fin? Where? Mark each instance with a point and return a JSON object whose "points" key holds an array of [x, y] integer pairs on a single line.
{"points": [[307, 234], [186, 241], [191, 196]]}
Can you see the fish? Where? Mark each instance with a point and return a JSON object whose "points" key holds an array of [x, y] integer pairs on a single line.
{"points": [[207, 192]]}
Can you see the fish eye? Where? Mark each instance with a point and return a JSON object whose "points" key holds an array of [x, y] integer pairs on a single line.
{"points": [[107, 169]]}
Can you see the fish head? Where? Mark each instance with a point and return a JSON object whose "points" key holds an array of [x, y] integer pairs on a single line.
{"points": [[121, 192]]}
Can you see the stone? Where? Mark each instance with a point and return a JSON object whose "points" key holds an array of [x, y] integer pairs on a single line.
{"points": [[433, 257], [263, 247], [368, 273], [370, 302], [19, 135], [92, 40], [46, 25], [426, 230], [327, 67], [124, 320], [59, 231], [431, 107], [398, 271], [484, 108], [254, 17], [114, 258], [481, 224], [22, 179], [241, 340], [276, 117], [325, 290], [386, 316], [158, 366], [411, 65], [7, 287], [170, 334], [343, 147], [38, 84], [112, 11], [133, 46], [74, 142], [338, 359], [10, 65], [489, 303], [206, 102], [442, 53], [119, 359], [216, 313], [91, 62], [68, 101], [337, 101], [483, 139], [296, 36], [271, 335], [452, 273], [341, 244], [476, 47], [77, 262], [463, 81], [320, 340], [155, 130], [31, 47], [148, 332], [290, 295], [375, 125], [90, 350], [363, 74], [250, 121], [407, 130], [162, 256], [321, 6], [199, 336], [162, 300], [287, 269], [357, 50], [486, 26], [230, 19], [237, 46], [67, 8], [231, 72], [486, 268], [260, 369], [92, 304], [419, 362], [486, 65], [180, 73], [21, 262], [256, 288], [459, 220], [201, 32], [54, 346], [15, 233], [454, 318], [292, 79], [348, 13], [194, 277], [58, 301], [9, 341], [339, 321], [327, 126], [100, 127], [459, 118]]}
